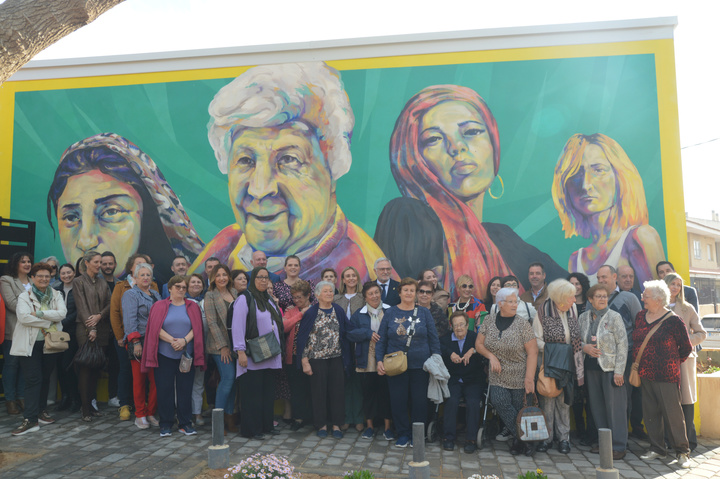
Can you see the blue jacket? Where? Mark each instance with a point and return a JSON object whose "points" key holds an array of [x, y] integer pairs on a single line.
{"points": [[306, 326], [424, 343], [360, 333]]}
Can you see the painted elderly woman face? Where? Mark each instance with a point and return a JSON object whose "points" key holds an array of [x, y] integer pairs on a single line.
{"points": [[455, 144], [281, 188], [98, 212], [592, 189]]}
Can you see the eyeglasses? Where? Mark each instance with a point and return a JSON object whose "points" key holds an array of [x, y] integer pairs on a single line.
{"points": [[467, 286], [597, 296], [54, 268], [262, 278], [424, 291], [459, 326], [510, 285]]}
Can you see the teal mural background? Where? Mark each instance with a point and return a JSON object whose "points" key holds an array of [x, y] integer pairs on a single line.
{"points": [[538, 105]]}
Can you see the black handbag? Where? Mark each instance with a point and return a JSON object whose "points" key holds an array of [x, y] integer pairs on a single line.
{"points": [[90, 355]]}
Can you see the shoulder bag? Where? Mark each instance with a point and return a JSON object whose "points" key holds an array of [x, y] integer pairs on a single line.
{"points": [[396, 363], [546, 386], [264, 347], [90, 355], [530, 423], [56, 342], [185, 362], [634, 378]]}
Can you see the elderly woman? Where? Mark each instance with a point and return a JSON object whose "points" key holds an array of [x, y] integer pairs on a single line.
{"points": [[240, 280], [467, 302], [108, 194], [445, 158], [12, 285], [688, 370], [558, 337], [401, 324], [323, 353], [424, 299], [440, 296], [136, 305], [66, 374], [364, 327], [284, 198], [39, 311], [605, 344], [509, 343], [281, 289], [467, 379], [92, 299], [219, 343], [174, 329], [659, 370], [54, 264], [599, 194], [256, 314], [299, 382], [196, 292]]}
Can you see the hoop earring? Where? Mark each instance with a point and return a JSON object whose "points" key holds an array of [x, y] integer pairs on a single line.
{"points": [[502, 191]]}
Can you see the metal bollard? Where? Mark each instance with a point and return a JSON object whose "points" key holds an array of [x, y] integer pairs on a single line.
{"points": [[419, 467], [606, 469], [218, 452]]}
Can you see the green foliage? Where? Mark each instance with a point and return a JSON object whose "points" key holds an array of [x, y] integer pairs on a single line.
{"points": [[537, 474], [364, 474]]}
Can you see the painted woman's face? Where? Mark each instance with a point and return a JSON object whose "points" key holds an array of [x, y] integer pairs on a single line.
{"points": [[280, 187], [455, 144], [592, 189], [98, 212]]}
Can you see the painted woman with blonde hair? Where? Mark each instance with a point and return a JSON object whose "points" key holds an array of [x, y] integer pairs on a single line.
{"points": [[599, 194]]}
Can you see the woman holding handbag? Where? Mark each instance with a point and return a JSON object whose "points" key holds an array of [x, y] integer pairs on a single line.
{"points": [[39, 311], [508, 341], [92, 299], [411, 329], [660, 345], [257, 319], [605, 344], [174, 333], [136, 305]]}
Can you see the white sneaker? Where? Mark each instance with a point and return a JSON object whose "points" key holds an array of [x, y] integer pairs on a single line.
{"points": [[199, 421], [683, 460], [114, 402], [94, 404], [504, 435], [650, 455], [152, 421], [141, 423]]}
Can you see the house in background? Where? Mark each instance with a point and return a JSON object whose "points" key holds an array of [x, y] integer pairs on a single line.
{"points": [[703, 246]]}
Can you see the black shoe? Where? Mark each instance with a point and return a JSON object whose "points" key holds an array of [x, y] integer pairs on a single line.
{"points": [[564, 447], [448, 445], [517, 447], [586, 441], [64, 404], [75, 407], [275, 431], [529, 449], [639, 434], [543, 446], [470, 447], [297, 425]]}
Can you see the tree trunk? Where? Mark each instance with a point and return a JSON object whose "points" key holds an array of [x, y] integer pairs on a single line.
{"points": [[27, 27]]}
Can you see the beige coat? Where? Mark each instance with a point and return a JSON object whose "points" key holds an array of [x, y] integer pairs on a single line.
{"points": [[216, 317], [10, 289], [688, 369]]}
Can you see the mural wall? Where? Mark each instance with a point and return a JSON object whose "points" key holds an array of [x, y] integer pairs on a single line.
{"points": [[463, 165]]}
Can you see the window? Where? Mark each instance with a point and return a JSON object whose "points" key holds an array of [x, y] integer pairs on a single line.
{"points": [[697, 249], [709, 250]]}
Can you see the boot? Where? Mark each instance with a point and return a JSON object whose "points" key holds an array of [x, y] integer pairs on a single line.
{"points": [[12, 407], [230, 423], [20, 404]]}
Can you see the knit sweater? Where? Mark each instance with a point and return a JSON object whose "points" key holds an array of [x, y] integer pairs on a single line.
{"points": [[668, 347]]}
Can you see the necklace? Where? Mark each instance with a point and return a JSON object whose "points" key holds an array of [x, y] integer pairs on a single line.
{"points": [[462, 308]]}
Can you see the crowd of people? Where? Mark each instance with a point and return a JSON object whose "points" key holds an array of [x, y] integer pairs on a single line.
{"points": [[328, 351]]}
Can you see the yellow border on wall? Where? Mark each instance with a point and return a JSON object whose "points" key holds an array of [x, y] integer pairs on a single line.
{"points": [[663, 50]]}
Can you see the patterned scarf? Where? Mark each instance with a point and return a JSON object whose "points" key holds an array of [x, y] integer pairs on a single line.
{"points": [[44, 297], [553, 330]]}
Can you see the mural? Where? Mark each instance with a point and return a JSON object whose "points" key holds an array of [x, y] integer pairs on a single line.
{"points": [[450, 165]]}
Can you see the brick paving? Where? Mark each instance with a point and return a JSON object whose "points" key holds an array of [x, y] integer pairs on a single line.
{"points": [[110, 448]]}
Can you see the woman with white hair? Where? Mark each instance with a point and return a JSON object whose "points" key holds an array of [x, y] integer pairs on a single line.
{"points": [[323, 353], [508, 341], [55, 266], [282, 135], [558, 336], [659, 370]]}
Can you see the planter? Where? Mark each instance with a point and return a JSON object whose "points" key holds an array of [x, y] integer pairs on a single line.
{"points": [[707, 405]]}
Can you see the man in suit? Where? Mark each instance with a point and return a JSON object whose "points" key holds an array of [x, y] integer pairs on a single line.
{"points": [[388, 286], [665, 267]]}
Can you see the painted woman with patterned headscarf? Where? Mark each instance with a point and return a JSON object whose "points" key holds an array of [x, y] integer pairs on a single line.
{"points": [[108, 195]]}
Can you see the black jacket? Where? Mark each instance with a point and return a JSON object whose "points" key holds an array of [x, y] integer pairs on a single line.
{"points": [[474, 372]]}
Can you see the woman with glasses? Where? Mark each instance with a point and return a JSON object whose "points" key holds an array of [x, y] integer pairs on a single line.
{"points": [[558, 337], [54, 264], [440, 296], [256, 314], [509, 343], [605, 344], [424, 299], [467, 303], [174, 329]]}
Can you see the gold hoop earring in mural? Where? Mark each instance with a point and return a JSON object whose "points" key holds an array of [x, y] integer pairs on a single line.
{"points": [[502, 188]]}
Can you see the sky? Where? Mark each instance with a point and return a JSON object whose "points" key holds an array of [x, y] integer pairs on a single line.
{"points": [[142, 26]]}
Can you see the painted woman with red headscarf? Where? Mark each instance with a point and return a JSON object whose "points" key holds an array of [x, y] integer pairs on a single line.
{"points": [[445, 155]]}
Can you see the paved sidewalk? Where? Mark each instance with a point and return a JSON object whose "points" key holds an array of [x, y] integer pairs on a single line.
{"points": [[108, 448]]}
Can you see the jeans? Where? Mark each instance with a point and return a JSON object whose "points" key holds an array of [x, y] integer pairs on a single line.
{"points": [[124, 376], [13, 382], [225, 393], [408, 391]]}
